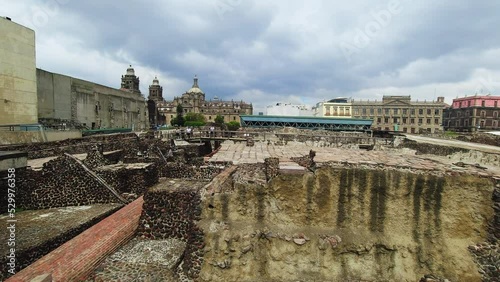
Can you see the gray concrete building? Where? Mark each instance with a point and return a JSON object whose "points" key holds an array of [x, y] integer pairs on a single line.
{"points": [[18, 99], [83, 104]]}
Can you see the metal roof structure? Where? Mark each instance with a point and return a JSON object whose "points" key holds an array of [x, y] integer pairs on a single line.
{"points": [[335, 124]]}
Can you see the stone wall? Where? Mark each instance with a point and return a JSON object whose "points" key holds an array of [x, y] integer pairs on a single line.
{"points": [[345, 224], [487, 254], [187, 171], [63, 97], [130, 178], [172, 213], [62, 182]]}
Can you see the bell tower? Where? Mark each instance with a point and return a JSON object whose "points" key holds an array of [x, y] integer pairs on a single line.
{"points": [[130, 82]]}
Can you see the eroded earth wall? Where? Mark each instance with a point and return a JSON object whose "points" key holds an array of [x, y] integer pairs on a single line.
{"points": [[339, 224]]}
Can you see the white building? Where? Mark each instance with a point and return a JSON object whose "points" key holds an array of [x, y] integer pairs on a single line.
{"points": [[287, 109]]}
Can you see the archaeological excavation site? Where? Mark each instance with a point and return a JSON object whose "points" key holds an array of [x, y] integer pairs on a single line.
{"points": [[281, 205]]}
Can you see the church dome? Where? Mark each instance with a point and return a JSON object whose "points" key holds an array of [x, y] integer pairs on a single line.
{"points": [[195, 88], [130, 70], [155, 81]]}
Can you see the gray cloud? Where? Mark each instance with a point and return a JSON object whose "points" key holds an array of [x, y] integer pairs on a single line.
{"points": [[268, 52]]}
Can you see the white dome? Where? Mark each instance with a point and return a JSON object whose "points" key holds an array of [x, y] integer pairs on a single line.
{"points": [[155, 81], [195, 88], [130, 71]]}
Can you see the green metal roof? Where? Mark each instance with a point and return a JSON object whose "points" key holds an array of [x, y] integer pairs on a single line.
{"points": [[305, 119]]}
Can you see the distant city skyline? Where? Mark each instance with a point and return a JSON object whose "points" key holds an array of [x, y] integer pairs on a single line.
{"points": [[268, 52]]}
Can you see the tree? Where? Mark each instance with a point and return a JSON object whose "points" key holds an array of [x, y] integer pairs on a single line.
{"points": [[233, 125], [197, 117], [179, 119], [219, 120]]}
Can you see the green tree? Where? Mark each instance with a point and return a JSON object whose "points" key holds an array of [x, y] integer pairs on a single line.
{"points": [[219, 120], [233, 125], [196, 117], [179, 119]]}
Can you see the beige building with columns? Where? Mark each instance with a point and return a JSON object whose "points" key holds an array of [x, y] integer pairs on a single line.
{"points": [[18, 99]]}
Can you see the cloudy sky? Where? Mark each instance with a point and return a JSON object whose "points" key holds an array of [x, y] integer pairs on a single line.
{"points": [[273, 51]]}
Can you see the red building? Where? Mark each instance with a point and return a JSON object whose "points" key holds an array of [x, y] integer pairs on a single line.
{"points": [[473, 113]]}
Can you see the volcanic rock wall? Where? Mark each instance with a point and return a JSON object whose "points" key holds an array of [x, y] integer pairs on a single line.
{"points": [[345, 224], [172, 213], [130, 178], [62, 182], [186, 171]]}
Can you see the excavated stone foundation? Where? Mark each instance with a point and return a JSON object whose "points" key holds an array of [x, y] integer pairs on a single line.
{"points": [[344, 224]]}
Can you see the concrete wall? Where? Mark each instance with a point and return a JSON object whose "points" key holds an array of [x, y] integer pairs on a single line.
{"points": [[17, 74], [62, 97]]}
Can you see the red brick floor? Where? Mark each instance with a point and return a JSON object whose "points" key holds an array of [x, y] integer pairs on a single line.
{"points": [[77, 258]]}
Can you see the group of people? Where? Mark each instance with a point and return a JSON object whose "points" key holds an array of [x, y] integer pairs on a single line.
{"points": [[188, 132]]}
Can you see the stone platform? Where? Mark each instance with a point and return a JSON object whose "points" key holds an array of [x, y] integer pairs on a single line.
{"points": [[239, 153]]}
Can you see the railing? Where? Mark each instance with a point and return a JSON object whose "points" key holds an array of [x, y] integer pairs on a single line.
{"points": [[340, 137]]}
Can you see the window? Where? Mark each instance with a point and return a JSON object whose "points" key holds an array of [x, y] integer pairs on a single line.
{"points": [[483, 114], [412, 121], [364, 111], [396, 111], [387, 111], [171, 116], [210, 117], [495, 114], [379, 111], [379, 120], [412, 111], [356, 111], [483, 104], [419, 121], [436, 112], [405, 130], [404, 121], [495, 123], [496, 104], [436, 121], [405, 111], [420, 111], [468, 103], [234, 118], [428, 121], [386, 120], [428, 111], [395, 120], [372, 111]]}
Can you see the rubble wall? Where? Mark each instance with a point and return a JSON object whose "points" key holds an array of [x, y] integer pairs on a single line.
{"points": [[173, 214], [62, 182], [345, 224]]}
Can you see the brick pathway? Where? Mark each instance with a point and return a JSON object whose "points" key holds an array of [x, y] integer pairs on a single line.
{"points": [[77, 258]]}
